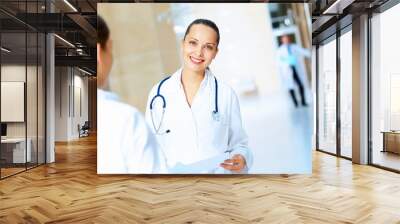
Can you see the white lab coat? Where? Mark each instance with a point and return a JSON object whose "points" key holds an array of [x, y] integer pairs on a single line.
{"points": [[194, 134], [285, 70], [124, 141]]}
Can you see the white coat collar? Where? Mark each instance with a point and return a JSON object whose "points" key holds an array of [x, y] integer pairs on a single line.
{"points": [[103, 94], [178, 74]]}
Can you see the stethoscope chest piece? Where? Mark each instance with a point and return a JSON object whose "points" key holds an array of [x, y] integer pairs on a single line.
{"points": [[216, 116]]}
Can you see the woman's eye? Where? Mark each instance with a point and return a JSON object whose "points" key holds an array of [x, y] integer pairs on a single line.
{"points": [[209, 47], [192, 43]]}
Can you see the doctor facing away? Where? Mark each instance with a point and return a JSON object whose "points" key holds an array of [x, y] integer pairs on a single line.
{"points": [[195, 115], [291, 70], [124, 141]]}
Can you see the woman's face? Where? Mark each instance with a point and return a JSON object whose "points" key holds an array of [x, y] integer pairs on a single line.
{"points": [[199, 47]]}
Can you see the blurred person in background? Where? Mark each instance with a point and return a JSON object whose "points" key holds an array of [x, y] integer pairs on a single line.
{"points": [[290, 57], [124, 141]]}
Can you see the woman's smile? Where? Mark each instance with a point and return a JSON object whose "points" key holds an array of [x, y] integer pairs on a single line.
{"points": [[196, 60]]}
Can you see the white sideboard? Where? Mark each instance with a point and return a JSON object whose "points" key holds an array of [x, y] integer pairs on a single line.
{"points": [[19, 155]]}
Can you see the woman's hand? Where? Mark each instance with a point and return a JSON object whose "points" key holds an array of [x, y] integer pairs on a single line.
{"points": [[235, 164]]}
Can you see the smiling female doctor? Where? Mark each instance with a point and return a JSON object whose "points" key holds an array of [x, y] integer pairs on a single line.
{"points": [[194, 114]]}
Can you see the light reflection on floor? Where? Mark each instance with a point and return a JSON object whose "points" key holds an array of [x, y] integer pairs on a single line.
{"points": [[280, 135], [386, 159]]}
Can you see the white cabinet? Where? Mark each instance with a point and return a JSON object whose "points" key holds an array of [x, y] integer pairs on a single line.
{"points": [[18, 149]]}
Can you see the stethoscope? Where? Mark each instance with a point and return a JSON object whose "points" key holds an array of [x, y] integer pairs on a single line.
{"points": [[215, 113]]}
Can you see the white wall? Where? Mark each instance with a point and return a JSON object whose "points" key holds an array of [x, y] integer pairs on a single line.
{"points": [[80, 110], [61, 103], [71, 93], [314, 94], [33, 127], [12, 73], [327, 96]]}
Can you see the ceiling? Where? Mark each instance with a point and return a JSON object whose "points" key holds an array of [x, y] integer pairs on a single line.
{"points": [[72, 20], [328, 16], [75, 21]]}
